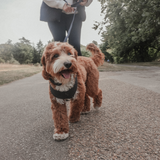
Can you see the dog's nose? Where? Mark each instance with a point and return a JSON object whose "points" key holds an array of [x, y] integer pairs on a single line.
{"points": [[67, 64]]}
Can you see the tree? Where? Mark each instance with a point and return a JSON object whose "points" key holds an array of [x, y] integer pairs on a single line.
{"points": [[37, 52], [24, 41], [36, 57], [6, 51], [23, 51], [131, 28], [95, 42], [40, 49], [9, 41], [50, 41], [104, 47]]}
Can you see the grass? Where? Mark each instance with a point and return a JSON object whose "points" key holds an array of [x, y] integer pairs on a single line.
{"points": [[108, 67], [10, 72], [126, 66], [145, 64]]}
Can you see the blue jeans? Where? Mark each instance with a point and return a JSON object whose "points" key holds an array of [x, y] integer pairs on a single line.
{"points": [[59, 28]]}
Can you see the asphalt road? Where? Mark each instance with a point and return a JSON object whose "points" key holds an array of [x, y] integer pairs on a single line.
{"points": [[127, 126]]}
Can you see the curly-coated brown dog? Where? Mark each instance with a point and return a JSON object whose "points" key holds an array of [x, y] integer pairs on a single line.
{"points": [[68, 75]]}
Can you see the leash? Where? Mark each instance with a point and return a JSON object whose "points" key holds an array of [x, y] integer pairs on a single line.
{"points": [[73, 5]]}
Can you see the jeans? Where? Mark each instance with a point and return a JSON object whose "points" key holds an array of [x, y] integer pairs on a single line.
{"points": [[59, 28]]}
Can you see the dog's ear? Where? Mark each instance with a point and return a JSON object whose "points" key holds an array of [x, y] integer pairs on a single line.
{"points": [[75, 54], [44, 72], [47, 52]]}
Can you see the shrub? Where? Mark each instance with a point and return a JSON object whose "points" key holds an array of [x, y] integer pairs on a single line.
{"points": [[13, 61], [2, 60], [37, 64], [85, 54]]}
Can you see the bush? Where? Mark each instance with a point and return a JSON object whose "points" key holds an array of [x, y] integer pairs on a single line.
{"points": [[13, 61], [37, 64], [116, 59], [2, 60], [85, 54]]}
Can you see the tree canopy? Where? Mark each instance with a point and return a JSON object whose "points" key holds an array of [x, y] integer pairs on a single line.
{"points": [[22, 52], [131, 28]]}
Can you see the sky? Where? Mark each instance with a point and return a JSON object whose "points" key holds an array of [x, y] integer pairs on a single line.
{"points": [[20, 18]]}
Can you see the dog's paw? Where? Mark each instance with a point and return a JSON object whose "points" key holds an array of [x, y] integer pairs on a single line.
{"points": [[97, 107], [60, 136], [74, 120]]}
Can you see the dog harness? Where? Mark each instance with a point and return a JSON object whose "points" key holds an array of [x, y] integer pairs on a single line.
{"points": [[66, 94]]}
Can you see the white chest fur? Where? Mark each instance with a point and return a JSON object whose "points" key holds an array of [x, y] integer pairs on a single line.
{"points": [[66, 87]]}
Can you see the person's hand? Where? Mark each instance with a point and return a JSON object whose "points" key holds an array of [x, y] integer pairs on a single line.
{"points": [[83, 2], [68, 9]]}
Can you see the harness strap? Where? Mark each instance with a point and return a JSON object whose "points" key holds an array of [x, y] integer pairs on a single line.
{"points": [[57, 84], [66, 94]]}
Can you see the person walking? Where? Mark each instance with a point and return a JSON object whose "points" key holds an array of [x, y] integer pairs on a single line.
{"points": [[59, 14]]}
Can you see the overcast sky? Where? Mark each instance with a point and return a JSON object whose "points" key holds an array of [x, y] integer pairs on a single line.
{"points": [[20, 18]]}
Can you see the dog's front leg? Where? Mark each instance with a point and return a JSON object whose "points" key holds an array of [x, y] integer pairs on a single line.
{"points": [[77, 104], [60, 118]]}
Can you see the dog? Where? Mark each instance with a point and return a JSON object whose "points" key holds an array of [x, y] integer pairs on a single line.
{"points": [[74, 77]]}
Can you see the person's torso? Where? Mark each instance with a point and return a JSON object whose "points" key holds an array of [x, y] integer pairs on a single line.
{"points": [[52, 14]]}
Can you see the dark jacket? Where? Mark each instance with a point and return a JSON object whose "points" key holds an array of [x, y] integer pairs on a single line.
{"points": [[52, 14]]}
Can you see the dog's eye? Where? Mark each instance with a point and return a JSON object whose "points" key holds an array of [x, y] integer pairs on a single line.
{"points": [[69, 53], [56, 56]]}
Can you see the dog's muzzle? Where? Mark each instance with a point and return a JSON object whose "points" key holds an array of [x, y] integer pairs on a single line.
{"points": [[67, 64]]}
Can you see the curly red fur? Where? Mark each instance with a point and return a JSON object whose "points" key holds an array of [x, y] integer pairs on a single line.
{"points": [[97, 55], [87, 75]]}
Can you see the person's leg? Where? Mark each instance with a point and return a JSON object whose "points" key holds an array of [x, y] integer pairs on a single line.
{"points": [[75, 35], [58, 29]]}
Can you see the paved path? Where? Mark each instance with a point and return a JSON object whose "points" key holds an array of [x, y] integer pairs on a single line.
{"points": [[127, 126]]}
